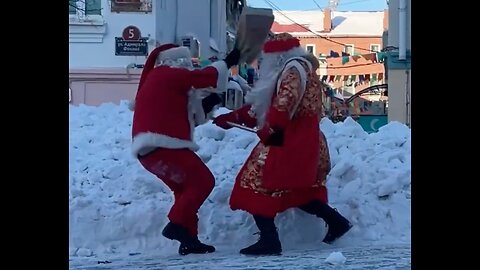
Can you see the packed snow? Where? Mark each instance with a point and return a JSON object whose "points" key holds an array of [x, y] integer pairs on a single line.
{"points": [[336, 258], [117, 207]]}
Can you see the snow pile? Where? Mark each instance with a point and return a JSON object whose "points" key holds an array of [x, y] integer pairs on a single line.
{"points": [[118, 207], [336, 258]]}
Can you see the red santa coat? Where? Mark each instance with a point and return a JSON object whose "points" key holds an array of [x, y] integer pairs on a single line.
{"points": [[167, 106], [275, 178]]}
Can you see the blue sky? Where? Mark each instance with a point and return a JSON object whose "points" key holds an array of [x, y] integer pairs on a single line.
{"points": [[343, 5]]}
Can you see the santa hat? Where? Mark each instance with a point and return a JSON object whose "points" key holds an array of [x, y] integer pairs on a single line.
{"points": [[281, 43], [161, 53]]}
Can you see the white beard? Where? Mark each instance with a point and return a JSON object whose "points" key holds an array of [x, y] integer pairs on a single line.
{"points": [[270, 68]]}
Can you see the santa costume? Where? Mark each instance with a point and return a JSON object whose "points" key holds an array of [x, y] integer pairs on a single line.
{"points": [[168, 106], [289, 166]]}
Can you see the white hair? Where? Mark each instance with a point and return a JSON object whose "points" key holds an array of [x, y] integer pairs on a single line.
{"points": [[178, 63], [271, 66], [175, 57]]}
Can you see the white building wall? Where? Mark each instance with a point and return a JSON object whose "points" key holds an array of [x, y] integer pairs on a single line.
{"points": [[92, 44], [88, 53], [399, 80]]}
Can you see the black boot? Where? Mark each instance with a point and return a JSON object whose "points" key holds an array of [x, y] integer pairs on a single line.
{"points": [[337, 224], [188, 244], [195, 246], [268, 244]]}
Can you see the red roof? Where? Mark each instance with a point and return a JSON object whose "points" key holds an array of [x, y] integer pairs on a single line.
{"points": [[281, 28]]}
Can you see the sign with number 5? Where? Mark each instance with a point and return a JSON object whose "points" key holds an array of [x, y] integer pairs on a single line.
{"points": [[131, 33]]}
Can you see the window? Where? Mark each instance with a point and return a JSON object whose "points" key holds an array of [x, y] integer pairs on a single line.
{"points": [[311, 48], [322, 58], [349, 48], [375, 47], [72, 7], [93, 7], [85, 7], [86, 24]]}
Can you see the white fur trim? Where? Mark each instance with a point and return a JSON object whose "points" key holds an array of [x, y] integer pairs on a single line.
{"points": [[294, 63], [223, 74], [146, 142], [174, 54], [196, 115], [273, 64]]}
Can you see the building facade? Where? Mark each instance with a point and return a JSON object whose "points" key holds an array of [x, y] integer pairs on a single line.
{"points": [[346, 43], [399, 60], [99, 74]]}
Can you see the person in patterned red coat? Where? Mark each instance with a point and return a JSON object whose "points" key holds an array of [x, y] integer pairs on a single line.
{"points": [[172, 99], [289, 166]]}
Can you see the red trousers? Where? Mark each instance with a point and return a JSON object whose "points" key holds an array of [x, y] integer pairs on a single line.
{"points": [[188, 177]]}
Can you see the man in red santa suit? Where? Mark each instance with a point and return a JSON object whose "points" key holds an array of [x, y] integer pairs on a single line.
{"points": [[289, 166], [169, 104]]}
